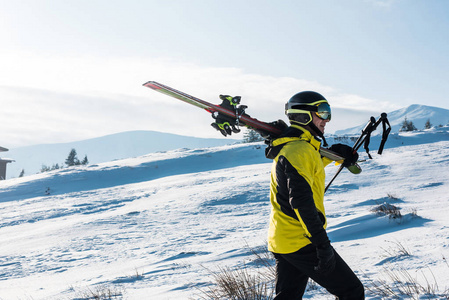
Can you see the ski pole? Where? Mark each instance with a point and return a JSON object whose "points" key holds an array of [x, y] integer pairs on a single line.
{"points": [[364, 138]]}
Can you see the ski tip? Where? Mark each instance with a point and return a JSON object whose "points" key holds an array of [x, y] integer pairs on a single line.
{"points": [[355, 169], [152, 84]]}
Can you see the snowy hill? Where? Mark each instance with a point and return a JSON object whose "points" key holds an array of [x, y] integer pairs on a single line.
{"points": [[136, 143], [103, 149], [155, 226], [418, 114]]}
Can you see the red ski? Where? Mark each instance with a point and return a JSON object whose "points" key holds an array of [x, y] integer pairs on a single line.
{"points": [[243, 118], [240, 116]]}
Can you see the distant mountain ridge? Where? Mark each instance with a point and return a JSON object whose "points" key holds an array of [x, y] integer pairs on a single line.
{"points": [[418, 114], [137, 143], [102, 149]]}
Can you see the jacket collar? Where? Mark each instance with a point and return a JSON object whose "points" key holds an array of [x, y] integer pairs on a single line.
{"points": [[296, 132]]}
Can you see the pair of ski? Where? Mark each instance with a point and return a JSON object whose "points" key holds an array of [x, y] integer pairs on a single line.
{"points": [[238, 115]]}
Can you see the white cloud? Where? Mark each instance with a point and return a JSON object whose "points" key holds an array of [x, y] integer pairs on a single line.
{"points": [[61, 99], [359, 103]]}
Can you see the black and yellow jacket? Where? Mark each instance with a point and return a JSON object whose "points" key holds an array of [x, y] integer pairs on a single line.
{"points": [[296, 191]]}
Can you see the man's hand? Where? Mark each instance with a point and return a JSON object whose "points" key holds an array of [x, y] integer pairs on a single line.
{"points": [[326, 259], [346, 151]]}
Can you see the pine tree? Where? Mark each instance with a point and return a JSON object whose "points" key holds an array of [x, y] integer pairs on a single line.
{"points": [[428, 125], [45, 168], [251, 136], [72, 160], [85, 161], [407, 125], [22, 173]]}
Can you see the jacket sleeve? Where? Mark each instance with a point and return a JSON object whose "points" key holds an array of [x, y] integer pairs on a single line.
{"points": [[300, 176], [326, 161]]}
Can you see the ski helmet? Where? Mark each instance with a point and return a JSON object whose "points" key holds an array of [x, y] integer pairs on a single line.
{"points": [[299, 108]]}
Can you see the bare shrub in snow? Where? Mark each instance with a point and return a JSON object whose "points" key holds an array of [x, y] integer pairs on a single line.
{"points": [[387, 209]]}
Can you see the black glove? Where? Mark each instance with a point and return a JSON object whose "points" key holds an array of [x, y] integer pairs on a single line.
{"points": [[268, 135], [326, 259], [346, 151]]}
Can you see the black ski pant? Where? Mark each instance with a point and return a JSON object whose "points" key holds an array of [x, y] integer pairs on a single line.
{"points": [[293, 270]]}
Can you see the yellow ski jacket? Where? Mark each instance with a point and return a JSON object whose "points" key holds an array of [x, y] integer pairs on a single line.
{"points": [[296, 192]]}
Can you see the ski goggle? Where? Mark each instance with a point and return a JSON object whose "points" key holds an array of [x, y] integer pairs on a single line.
{"points": [[321, 109]]}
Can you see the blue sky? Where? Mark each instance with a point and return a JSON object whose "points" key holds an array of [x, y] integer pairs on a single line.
{"points": [[72, 70]]}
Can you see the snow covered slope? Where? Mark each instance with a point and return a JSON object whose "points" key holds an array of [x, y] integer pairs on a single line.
{"points": [[151, 227], [418, 114], [103, 149]]}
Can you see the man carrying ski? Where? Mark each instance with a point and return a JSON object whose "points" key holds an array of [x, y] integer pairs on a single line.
{"points": [[297, 232]]}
